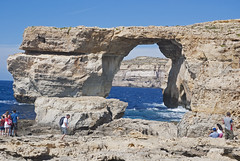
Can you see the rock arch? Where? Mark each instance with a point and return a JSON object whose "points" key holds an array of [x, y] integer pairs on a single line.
{"points": [[73, 62]]}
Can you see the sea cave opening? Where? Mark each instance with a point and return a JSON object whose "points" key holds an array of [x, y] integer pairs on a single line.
{"points": [[140, 81]]}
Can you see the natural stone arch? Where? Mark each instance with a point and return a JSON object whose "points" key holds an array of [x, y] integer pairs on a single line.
{"points": [[209, 56]]}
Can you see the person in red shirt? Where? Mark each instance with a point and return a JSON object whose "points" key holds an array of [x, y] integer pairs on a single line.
{"points": [[2, 121]]}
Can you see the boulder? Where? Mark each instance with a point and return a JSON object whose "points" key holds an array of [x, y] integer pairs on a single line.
{"points": [[86, 113]]}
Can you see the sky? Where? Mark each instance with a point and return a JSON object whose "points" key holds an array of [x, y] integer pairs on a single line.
{"points": [[16, 15]]}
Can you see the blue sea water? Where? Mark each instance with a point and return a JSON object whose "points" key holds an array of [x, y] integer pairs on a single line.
{"points": [[143, 103], [146, 103], [8, 102]]}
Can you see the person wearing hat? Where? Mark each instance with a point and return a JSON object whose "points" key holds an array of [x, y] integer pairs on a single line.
{"points": [[214, 134]]}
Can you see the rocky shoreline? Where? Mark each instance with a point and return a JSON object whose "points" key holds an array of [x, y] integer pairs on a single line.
{"points": [[119, 140]]}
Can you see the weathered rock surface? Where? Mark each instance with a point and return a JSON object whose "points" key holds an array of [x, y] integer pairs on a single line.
{"points": [[87, 113], [138, 128], [118, 140], [143, 72]]}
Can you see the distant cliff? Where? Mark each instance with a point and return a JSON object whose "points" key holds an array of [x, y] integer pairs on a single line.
{"points": [[143, 72]]}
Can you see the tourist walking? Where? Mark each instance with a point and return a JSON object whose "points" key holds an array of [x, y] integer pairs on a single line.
{"points": [[64, 126], [2, 121], [15, 118], [228, 122], [7, 123]]}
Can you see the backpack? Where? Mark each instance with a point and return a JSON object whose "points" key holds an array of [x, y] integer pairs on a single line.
{"points": [[9, 122], [61, 121]]}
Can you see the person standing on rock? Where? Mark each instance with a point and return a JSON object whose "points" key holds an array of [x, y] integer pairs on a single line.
{"points": [[2, 121], [15, 118], [228, 126], [7, 123], [65, 126]]}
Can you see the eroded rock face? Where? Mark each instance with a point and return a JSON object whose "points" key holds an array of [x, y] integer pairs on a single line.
{"points": [[204, 76], [60, 75], [143, 71], [86, 112]]}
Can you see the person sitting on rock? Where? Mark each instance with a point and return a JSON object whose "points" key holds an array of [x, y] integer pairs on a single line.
{"points": [[214, 134], [219, 130], [64, 126]]}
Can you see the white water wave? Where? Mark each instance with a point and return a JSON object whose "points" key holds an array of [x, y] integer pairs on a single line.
{"points": [[170, 115], [131, 109], [12, 102], [153, 109], [155, 104], [178, 109]]}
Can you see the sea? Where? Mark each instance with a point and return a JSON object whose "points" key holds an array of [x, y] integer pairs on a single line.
{"points": [[143, 103]]}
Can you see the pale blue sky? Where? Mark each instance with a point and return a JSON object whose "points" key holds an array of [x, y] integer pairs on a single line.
{"points": [[16, 15]]}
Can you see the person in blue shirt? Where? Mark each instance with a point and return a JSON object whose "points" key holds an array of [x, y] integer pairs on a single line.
{"points": [[15, 118], [214, 134]]}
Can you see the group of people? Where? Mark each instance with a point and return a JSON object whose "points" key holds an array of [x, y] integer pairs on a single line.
{"points": [[218, 131], [8, 124]]}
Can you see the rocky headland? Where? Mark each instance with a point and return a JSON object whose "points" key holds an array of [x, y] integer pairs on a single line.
{"points": [[143, 71], [71, 70]]}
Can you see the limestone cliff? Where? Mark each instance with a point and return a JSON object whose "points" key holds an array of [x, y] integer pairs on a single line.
{"points": [[143, 72], [204, 75]]}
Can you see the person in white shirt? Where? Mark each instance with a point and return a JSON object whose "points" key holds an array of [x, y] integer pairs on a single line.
{"points": [[64, 126]]}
